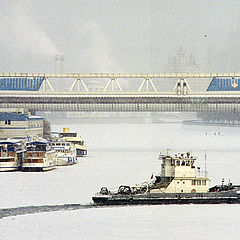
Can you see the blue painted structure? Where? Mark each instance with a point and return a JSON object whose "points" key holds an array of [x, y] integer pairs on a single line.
{"points": [[6, 116], [224, 84], [20, 83]]}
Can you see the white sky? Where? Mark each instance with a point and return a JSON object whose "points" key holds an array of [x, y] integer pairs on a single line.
{"points": [[117, 36]]}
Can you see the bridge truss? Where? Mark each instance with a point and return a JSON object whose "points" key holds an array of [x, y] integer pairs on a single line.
{"points": [[113, 97], [146, 84]]}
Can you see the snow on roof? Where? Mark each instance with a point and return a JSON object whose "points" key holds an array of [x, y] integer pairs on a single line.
{"points": [[10, 141], [17, 117]]}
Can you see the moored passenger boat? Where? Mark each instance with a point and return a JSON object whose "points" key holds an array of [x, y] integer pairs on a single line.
{"points": [[11, 155], [180, 182], [78, 142], [66, 152], [39, 157]]}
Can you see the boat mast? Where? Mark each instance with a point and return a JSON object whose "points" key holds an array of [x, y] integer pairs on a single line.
{"points": [[205, 163]]}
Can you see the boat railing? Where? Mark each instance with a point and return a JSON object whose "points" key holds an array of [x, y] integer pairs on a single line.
{"points": [[35, 154], [7, 154]]}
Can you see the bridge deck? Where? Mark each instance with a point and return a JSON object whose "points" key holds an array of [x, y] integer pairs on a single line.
{"points": [[123, 103]]}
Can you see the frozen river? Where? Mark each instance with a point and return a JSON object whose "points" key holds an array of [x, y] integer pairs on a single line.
{"points": [[125, 154]]}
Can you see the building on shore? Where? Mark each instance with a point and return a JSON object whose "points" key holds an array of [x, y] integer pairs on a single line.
{"points": [[19, 125], [182, 63]]}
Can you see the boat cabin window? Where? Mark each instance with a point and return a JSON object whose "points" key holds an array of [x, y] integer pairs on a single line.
{"points": [[53, 144], [58, 144], [193, 182], [187, 163], [183, 163], [178, 163], [198, 182], [37, 148], [203, 182], [68, 144], [7, 160], [11, 148], [3, 148], [192, 162], [7, 122], [63, 144]]}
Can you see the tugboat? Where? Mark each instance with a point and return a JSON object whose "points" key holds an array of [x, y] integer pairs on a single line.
{"points": [[180, 182]]}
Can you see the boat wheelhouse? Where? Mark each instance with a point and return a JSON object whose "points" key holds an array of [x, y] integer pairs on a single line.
{"points": [[39, 157], [11, 155], [179, 175]]}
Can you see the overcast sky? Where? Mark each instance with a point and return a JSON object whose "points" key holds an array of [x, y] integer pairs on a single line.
{"points": [[118, 36]]}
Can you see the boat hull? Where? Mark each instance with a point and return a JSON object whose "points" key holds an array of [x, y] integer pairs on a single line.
{"points": [[66, 160], [9, 166], [37, 169], [151, 199], [9, 169]]}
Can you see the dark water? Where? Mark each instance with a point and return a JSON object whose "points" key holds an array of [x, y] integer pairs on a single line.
{"points": [[8, 212]]}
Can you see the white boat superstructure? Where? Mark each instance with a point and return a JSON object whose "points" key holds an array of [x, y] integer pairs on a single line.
{"points": [[11, 155], [179, 175], [39, 157], [66, 152], [78, 142]]}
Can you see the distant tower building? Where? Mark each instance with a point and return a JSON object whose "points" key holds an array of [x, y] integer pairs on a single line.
{"points": [[62, 64], [59, 63], [56, 63], [182, 63]]}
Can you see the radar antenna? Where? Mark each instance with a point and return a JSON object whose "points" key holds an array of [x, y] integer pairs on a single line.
{"points": [[162, 153]]}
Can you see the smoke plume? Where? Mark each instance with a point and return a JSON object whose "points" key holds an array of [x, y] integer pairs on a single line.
{"points": [[20, 33]]}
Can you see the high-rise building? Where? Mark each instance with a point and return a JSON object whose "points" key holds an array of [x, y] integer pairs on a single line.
{"points": [[181, 63]]}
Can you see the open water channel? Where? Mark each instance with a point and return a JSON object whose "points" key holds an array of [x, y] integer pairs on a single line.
{"points": [[122, 154]]}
